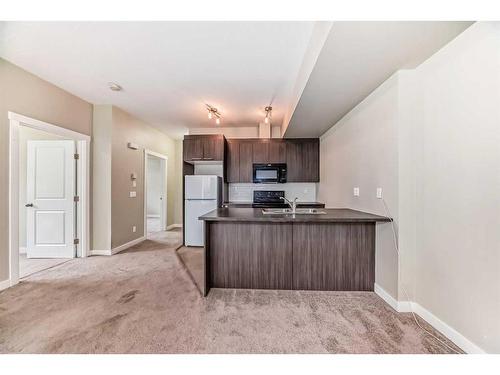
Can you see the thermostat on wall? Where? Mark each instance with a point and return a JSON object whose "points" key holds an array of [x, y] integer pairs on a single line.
{"points": [[133, 146]]}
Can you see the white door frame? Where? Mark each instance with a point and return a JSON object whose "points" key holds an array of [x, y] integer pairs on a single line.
{"points": [[163, 215], [83, 177]]}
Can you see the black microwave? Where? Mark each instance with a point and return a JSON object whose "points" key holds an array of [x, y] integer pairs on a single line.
{"points": [[272, 173]]}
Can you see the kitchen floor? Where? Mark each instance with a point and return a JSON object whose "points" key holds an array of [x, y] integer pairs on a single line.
{"points": [[143, 300]]}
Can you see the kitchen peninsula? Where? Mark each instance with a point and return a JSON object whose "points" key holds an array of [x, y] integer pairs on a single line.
{"points": [[245, 248]]}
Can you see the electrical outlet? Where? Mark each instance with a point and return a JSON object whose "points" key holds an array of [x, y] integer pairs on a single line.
{"points": [[356, 191], [379, 193], [134, 229]]}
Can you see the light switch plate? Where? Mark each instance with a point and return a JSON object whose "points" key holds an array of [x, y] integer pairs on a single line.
{"points": [[379, 193], [356, 191], [134, 183], [133, 194], [134, 229]]}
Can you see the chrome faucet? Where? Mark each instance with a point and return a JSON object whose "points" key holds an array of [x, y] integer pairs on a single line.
{"points": [[293, 205]]}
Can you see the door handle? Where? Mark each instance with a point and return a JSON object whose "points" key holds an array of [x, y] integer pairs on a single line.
{"points": [[28, 205]]}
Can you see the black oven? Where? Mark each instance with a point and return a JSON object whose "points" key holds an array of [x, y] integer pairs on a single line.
{"points": [[272, 173]]}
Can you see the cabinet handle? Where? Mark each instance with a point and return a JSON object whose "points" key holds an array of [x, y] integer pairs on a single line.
{"points": [[208, 158], [196, 158]]}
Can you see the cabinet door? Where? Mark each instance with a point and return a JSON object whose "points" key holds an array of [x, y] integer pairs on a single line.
{"points": [[246, 161], [330, 256], [277, 151], [260, 151], [193, 149], [233, 161], [310, 161], [213, 148], [294, 161]]}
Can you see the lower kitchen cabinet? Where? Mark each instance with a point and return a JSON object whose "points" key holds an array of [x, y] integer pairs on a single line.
{"points": [[250, 256], [334, 257], [300, 256]]}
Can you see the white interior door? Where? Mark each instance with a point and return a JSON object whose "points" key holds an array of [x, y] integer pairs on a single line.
{"points": [[50, 191]]}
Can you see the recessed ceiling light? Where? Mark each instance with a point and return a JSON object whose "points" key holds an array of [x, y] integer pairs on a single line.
{"points": [[114, 86]]}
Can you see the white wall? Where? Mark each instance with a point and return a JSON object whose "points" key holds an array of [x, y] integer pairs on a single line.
{"points": [[154, 185], [431, 138], [458, 185], [361, 151], [237, 132]]}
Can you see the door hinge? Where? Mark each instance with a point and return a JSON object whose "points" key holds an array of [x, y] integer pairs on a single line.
{"points": [[76, 198], [76, 241], [77, 156]]}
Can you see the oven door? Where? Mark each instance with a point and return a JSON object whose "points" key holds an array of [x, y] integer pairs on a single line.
{"points": [[266, 174]]}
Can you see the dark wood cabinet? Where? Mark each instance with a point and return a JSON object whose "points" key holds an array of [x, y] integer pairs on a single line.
{"points": [[300, 155], [277, 151], [334, 257], [261, 151], [249, 255], [203, 147], [302, 159], [246, 161], [193, 149], [233, 161]]}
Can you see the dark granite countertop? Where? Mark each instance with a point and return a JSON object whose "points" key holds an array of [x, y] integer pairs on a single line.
{"points": [[339, 215], [249, 204]]}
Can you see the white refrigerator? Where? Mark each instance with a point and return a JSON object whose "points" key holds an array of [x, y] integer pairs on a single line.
{"points": [[202, 194]]}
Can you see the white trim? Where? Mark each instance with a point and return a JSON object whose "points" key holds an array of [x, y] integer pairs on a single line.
{"points": [[403, 306], [5, 284], [46, 127], [153, 216], [172, 226], [22, 250], [164, 210], [100, 252], [83, 146], [391, 301], [118, 249]]}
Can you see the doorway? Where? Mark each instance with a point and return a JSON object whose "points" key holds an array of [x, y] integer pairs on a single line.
{"points": [[155, 193], [48, 196]]}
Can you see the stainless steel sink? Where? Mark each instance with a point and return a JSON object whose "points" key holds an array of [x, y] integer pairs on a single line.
{"points": [[288, 211]]}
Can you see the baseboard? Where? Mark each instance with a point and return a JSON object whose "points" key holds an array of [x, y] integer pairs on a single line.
{"points": [[100, 252], [125, 246], [172, 226], [404, 306], [4, 284], [391, 301]]}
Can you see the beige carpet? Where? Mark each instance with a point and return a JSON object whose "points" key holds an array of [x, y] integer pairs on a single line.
{"points": [[144, 301]]}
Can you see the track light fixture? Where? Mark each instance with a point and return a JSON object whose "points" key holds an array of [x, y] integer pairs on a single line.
{"points": [[213, 113], [269, 111]]}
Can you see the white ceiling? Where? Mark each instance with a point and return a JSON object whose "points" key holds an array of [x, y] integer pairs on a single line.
{"points": [[168, 70], [355, 59]]}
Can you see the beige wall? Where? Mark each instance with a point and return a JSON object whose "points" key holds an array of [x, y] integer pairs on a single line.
{"points": [[127, 212], [26, 94], [361, 150]]}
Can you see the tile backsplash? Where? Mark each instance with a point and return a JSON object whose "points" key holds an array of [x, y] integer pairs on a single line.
{"points": [[306, 192]]}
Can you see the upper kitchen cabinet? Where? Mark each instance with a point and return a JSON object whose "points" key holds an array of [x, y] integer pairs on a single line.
{"points": [[203, 148], [233, 161], [277, 151], [302, 159], [300, 155]]}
